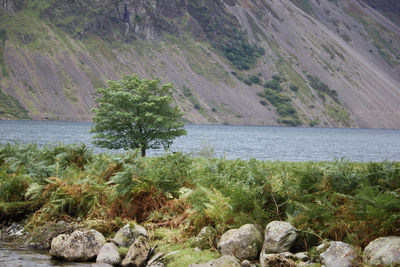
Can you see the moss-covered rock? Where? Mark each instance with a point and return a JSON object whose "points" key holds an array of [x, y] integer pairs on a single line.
{"points": [[127, 235], [78, 246]]}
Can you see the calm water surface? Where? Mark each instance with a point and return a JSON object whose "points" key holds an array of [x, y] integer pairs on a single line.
{"points": [[264, 143], [14, 256]]}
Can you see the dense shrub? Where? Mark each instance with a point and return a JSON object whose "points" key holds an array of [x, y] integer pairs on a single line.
{"points": [[294, 88], [322, 88], [274, 85], [225, 33], [340, 200]]}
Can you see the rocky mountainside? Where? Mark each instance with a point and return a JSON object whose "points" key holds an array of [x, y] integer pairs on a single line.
{"points": [[329, 63]]}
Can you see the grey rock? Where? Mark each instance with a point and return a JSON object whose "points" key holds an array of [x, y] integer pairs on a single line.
{"points": [[155, 260], [338, 254], [137, 253], [383, 251], [243, 243], [302, 256], [224, 261], [279, 237], [101, 264], [278, 260], [245, 263], [128, 234], [306, 264], [156, 264], [206, 238], [78, 246], [109, 254]]}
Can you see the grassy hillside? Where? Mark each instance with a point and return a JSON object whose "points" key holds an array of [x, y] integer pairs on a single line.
{"points": [[338, 61]]}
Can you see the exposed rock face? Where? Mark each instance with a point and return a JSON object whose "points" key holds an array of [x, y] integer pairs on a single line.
{"points": [[109, 254], [128, 234], [243, 243], [339, 254], [206, 237], [137, 254], [50, 67], [224, 261], [78, 246], [278, 260], [392, 6], [383, 251], [279, 237]]}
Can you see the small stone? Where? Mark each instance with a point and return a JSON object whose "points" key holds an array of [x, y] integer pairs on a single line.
{"points": [[279, 237], [137, 253], [302, 256], [278, 260], [244, 243], [127, 235], [246, 263], [338, 254], [78, 246], [109, 254], [155, 259], [156, 264], [224, 261], [101, 264], [383, 251]]}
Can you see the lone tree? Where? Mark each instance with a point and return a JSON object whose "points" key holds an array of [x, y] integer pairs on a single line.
{"points": [[136, 113]]}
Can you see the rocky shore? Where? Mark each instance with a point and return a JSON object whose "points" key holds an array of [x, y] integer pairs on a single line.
{"points": [[247, 246]]}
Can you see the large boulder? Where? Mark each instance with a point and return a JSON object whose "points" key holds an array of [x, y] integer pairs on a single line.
{"points": [[128, 234], [137, 253], [278, 260], [224, 261], [383, 251], [339, 254], [279, 237], [78, 246], [243, 243], [109, 254], [206, 238]]}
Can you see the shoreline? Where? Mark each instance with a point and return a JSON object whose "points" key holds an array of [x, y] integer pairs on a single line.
{"points": [[59, 189]]}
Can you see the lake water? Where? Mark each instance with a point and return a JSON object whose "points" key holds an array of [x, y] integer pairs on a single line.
{"points": [[12, 255], [264, 143]]}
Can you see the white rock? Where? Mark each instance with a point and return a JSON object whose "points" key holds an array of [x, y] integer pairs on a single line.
{"points": [[78, 246], [109, 254], [128, 234], [279, 237], [338, 254], [383, 251], [243, 243]]}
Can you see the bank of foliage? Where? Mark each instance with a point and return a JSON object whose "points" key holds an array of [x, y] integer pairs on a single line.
{"points": [[273, 92], [340, 200]]}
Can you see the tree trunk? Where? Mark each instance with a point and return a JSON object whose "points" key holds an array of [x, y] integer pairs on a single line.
{"points": [[143, 149]]}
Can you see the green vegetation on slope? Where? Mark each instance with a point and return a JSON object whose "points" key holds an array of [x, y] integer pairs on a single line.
{"points": [[375, 32], [273, 93], [225, 33], [11, 108]]}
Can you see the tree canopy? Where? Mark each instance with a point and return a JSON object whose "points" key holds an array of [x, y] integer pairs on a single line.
{"points": [[136, 113]]}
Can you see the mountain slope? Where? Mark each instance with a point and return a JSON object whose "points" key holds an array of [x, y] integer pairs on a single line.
{"points": [[322, 63]]}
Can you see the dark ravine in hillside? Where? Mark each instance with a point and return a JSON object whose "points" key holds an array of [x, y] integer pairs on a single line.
{"points": [[343, 57]]}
